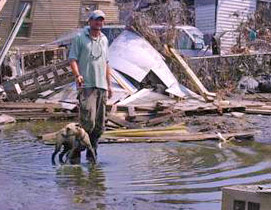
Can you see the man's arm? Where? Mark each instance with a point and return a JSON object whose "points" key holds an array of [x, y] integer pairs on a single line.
{"points": [[109, 81], [76, 73]]}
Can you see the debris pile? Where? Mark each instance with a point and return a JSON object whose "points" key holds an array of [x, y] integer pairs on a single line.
{"points": [[42, 79], [224, 73], [146, 94]]}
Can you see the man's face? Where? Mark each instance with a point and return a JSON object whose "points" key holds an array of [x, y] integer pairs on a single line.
{"points": [[96, 24]]}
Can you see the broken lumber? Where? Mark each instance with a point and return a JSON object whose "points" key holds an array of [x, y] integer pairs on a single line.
{"points": [[28, 105], [156, 131], [179, 138], [41, 79], [208, 96]]}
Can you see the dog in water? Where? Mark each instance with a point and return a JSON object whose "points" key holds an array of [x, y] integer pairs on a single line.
{"points": [[74, 139]]}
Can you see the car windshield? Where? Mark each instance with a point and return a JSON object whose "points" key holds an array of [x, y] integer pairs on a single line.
{"points": [[197, 35]]}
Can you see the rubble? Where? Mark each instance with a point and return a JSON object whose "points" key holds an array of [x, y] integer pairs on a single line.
{"points": [[146, 95], [134, 56], [42, 79]]}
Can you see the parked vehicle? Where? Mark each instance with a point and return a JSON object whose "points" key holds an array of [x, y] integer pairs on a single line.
{"points": [[189, 41]]}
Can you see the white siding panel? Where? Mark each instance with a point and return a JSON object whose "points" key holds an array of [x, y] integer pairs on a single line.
{"points": [[229, 16], [205, 18]]}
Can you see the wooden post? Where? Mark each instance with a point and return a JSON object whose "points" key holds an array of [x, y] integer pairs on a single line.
{"points": [[44, 58], [22, 64]]}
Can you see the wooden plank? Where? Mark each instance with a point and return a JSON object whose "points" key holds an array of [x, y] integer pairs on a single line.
{"points": [[154, 131], [208, 96], [179, 138], [141, 119], [263, 107], [47, 116], [14, 112], [121, 122], [125, 108], [14, 105], [258, 111]]}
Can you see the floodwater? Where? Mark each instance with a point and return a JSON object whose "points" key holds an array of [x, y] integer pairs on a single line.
{"points": [[127, 176]]}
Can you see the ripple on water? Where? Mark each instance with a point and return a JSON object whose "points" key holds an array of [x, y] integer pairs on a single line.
{"points": [[168, 175], [182, 171]]}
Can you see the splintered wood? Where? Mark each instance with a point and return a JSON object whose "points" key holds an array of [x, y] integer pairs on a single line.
{"points": [[165, 112]]}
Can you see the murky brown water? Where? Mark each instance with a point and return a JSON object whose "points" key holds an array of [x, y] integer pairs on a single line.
{"points": [[127, 176]]}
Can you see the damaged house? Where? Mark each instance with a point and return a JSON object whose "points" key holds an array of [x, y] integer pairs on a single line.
{"points": [[47, 20], [222, 17]]}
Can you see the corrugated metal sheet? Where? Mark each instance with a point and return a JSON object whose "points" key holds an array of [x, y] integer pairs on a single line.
{"points": [[229, 16], [205, 17], [132, 55]]}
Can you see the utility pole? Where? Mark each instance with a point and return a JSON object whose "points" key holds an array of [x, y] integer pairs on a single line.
{"points": [[14, 32]]}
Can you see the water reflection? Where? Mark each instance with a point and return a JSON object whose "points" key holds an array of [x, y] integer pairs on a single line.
{"points": [[85, 182], [128, 176]]}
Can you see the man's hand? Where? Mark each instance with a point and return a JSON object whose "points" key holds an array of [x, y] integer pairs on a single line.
{"points": [[109, 92], [80, 80]]}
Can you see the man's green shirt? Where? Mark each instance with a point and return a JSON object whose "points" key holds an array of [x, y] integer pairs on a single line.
{"points": [[92, 57]]}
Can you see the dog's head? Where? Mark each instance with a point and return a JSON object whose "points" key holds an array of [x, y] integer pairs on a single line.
{"points": [[76, 131], [70, 129]]}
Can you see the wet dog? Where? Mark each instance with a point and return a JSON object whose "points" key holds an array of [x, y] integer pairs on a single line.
{"points": [[74, 139]]}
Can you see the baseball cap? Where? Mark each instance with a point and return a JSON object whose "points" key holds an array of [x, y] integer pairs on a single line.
{"points": [[96, 14]]}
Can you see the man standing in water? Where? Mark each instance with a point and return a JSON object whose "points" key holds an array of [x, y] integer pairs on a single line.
{"points": [[88, 58]]}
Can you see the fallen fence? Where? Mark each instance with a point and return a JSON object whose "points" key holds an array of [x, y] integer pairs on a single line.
{"points": [[41, 79]]}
